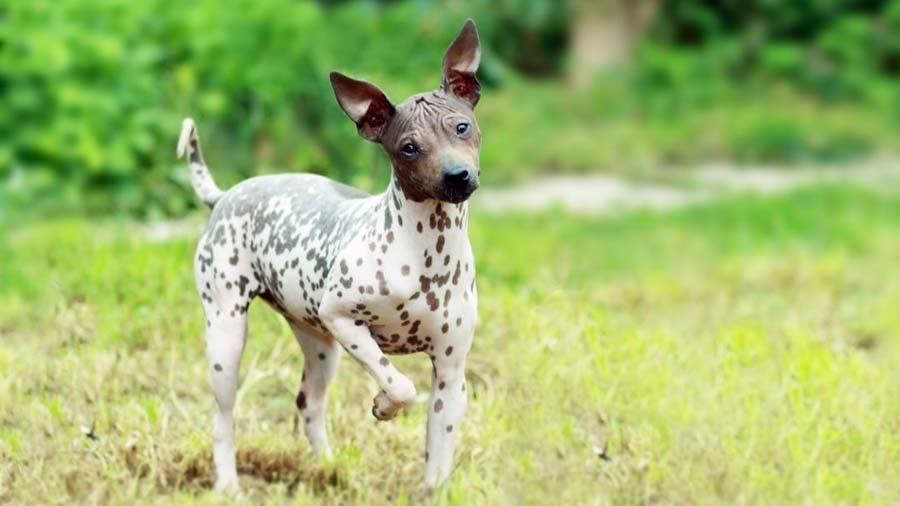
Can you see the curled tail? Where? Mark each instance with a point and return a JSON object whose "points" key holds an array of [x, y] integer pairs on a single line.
{"points": [[201, 179]]}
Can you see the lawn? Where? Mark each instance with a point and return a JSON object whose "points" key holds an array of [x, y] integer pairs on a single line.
{"points": [[741, 351]]}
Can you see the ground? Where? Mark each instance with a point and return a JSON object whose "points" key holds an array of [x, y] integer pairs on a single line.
{"points": [[739, 350]]}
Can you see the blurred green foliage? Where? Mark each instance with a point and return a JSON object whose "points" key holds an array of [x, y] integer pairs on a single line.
{"points": [[96, 91], [93, 93], [837, 49]]}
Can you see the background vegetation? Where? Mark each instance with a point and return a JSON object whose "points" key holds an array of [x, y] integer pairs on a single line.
{"points": [[93, 92]]}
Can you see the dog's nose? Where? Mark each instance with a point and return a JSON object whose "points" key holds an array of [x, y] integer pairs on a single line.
{"points": [[457, 176]]}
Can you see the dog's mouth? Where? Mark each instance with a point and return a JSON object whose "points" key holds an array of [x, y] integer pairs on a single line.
{"points": [[456, 194]]}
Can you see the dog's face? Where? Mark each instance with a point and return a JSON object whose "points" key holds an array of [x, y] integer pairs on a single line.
{"points": [[431, 138]]}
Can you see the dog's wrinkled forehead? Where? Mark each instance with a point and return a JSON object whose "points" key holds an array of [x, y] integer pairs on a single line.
{"points": [[426, 114]]}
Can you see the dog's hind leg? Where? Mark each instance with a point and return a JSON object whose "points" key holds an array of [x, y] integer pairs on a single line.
{"points": [[321, 356], [225, 337]]}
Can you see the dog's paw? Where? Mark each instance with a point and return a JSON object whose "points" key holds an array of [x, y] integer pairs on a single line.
{"points": [[386, 404], [383, 408], [227, 486]]}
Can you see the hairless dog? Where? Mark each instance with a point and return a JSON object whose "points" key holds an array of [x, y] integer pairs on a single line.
{"points": [[373, 274]]}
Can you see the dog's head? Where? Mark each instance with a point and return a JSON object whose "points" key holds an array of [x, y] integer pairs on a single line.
{"points": [[432, 138]]}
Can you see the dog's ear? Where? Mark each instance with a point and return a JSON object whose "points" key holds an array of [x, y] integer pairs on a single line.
{"points": [[460, 64], [366, 105]]}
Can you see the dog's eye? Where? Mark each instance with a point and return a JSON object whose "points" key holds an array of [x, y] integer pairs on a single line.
{"points": [[462, 129], [409, 150]]}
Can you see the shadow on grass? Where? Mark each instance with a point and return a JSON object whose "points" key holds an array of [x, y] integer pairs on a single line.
{"points": [[195, 471]]}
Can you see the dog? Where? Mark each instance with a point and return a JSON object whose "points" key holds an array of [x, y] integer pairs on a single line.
{"points": [[375, 275]]}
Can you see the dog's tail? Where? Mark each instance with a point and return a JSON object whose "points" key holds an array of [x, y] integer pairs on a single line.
{"points": [[201, 179]]}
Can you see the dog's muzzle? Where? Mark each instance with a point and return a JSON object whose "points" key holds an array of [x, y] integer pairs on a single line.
{"points": [[457, 184]]}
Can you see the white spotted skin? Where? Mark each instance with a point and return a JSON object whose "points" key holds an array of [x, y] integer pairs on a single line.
{"points": [[347, 271]]}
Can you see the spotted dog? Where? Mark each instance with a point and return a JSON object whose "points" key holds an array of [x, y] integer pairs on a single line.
{"points": [[375, 275]]}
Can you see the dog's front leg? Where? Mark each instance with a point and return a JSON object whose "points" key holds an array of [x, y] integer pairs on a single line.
{"points": [[396, 389], [445, 412]]}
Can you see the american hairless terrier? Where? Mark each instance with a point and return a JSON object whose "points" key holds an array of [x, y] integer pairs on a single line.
{"points": [[375, 275]]}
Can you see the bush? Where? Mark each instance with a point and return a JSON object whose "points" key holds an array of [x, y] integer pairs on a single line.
{"points": [[94, 93]]}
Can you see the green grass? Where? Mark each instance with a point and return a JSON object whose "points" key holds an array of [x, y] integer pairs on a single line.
{"points": [[735, 352]]}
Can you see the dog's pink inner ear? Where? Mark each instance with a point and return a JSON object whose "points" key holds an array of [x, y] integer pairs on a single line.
{"points": [[364, 103], [460, 64], [464, 85], [372, 124]]}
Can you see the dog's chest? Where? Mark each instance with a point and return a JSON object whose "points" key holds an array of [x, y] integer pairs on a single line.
{"points": [[414, 288]]}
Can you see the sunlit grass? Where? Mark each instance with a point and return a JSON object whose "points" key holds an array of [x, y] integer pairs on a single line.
{"points": [[736, 352]]}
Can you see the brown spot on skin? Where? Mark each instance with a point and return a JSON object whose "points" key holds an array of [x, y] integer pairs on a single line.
{"points": [[217, 367], [449, 428], [449, 351], [459, 322], [446, 260], [390, 236], [440, 243], [384, 361], [438, 405], [419, 227], [301, 400], [390, 379], [445, 328], [321, 356], [404, 315], [442, 279], [428, 262], [404, 270], [433, 301], [441, 385]]}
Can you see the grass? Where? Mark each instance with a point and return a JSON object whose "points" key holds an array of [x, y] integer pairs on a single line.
{"points": [[739, 352]]}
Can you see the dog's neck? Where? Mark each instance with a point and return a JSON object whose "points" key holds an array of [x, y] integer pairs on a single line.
{"points": [[435, 217]]}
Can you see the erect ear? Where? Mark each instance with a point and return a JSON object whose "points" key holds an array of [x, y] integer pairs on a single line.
{"points": [[366, 105], [460, 63]]}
